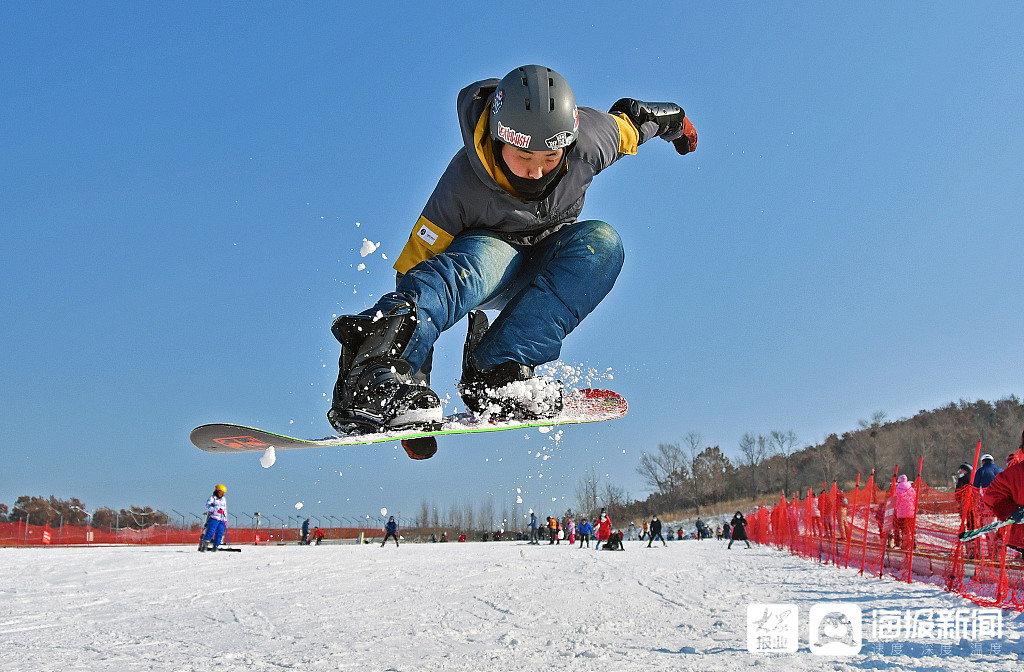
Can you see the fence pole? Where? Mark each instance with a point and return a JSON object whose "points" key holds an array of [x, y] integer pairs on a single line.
{"points": [[867, 520], [917, 506], [885, 539], [848, 543]]}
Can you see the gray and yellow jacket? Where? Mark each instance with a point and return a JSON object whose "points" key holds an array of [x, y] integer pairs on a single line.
{"points": [[473, 192]]}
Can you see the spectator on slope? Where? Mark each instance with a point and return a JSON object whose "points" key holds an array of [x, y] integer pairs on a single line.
{"points": [[614, 542], [570, 529], [604, 529], [739, 529], [534, 538], [631, 531], [814, 514], [552, 530], [216, 519], [965, 496], [726, 530], [826, 507], [843, 516], [984, 476], [305, 533], [1005, 497], [643, 535], [906, 513], [986, 472], [586, 529], [655, 532], [318, 535], [390, 530]]}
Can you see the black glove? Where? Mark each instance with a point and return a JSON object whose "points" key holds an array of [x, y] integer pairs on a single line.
{"points": [[1018, 515]]}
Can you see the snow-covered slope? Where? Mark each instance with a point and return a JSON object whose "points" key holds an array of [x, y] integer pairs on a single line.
{"points": [[477, 606]]}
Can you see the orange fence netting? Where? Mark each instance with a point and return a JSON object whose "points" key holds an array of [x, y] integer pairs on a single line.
{"points": [[862, 528]]}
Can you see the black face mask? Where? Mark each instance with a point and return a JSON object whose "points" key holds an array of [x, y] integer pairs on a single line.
{"points": [[532, 190]]}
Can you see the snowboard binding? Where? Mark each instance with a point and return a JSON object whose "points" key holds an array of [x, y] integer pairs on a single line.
{"points": [[508, 390], [376, 390]]}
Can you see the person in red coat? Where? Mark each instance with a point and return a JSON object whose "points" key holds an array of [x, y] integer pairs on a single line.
{"points": [[1005, 498], [604, 529]]}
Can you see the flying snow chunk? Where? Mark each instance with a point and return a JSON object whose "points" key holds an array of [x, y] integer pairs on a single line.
{"points": [[368, 247], [298, 505], [519, 500], [268, 458], [384, 511], [361, 267]]}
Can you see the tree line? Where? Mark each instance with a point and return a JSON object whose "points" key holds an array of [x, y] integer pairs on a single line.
{"points": [[688, 475], [59, 512]]}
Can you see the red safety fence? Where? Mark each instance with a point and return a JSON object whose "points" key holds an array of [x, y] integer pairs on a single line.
{"points": [[21, 534], [863, 528]]}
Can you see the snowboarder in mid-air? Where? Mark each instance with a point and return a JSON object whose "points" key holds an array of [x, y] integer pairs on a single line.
{"points": [[500, 231]]}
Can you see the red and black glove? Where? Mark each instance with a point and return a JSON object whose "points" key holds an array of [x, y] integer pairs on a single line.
{"points": [[687, 141]]}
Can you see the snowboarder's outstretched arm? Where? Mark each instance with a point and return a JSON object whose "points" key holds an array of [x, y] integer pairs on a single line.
{"points": [[667, 121]]}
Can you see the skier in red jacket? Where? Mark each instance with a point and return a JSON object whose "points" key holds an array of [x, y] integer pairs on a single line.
{"points": [[1005, 498]]}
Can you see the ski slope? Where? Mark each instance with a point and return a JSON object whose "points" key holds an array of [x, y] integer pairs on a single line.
{"points": [[470, 606]]}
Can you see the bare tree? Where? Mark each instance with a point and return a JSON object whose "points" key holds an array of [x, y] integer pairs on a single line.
{"points": [[754, 450], [783, 444], [693, 441], [586, 492], [665, 471]]}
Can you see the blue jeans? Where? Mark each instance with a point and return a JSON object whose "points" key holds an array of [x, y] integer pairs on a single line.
{"points": [[543, 291]]}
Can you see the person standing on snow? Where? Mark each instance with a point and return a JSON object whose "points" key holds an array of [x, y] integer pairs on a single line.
{"points": [[738, 525], [586, 529], [534, 539], [604, 529], [906, 512], [216, 519], [655, 532], [305, 533], [499, 231], [986, 473], [390, 530]]}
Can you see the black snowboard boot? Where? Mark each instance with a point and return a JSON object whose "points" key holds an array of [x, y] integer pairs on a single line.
{"points": [[375, 389], [510, 389]]}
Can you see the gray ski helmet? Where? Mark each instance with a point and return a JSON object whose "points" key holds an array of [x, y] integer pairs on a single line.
{"points": [[534, 109]]}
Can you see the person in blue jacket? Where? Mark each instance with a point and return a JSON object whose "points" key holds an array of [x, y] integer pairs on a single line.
{"points": [[987, 472], [216, 519], [534, 538], [585, 529], [390, 530]]}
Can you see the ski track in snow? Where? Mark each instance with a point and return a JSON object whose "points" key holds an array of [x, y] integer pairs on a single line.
{"points": [[475, 606]]}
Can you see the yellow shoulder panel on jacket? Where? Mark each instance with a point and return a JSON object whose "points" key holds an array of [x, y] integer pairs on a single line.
{"points": [[629, 137], [426, 240]]}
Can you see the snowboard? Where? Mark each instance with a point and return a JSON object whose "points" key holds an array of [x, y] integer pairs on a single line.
{"points": [[579, 406], [968, 535]]}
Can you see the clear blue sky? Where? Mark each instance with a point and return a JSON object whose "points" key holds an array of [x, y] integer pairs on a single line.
{"points": [[181, 185]]}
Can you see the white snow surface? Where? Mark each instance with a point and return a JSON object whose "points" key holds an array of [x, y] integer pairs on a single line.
{"points": [[469, 606]]}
